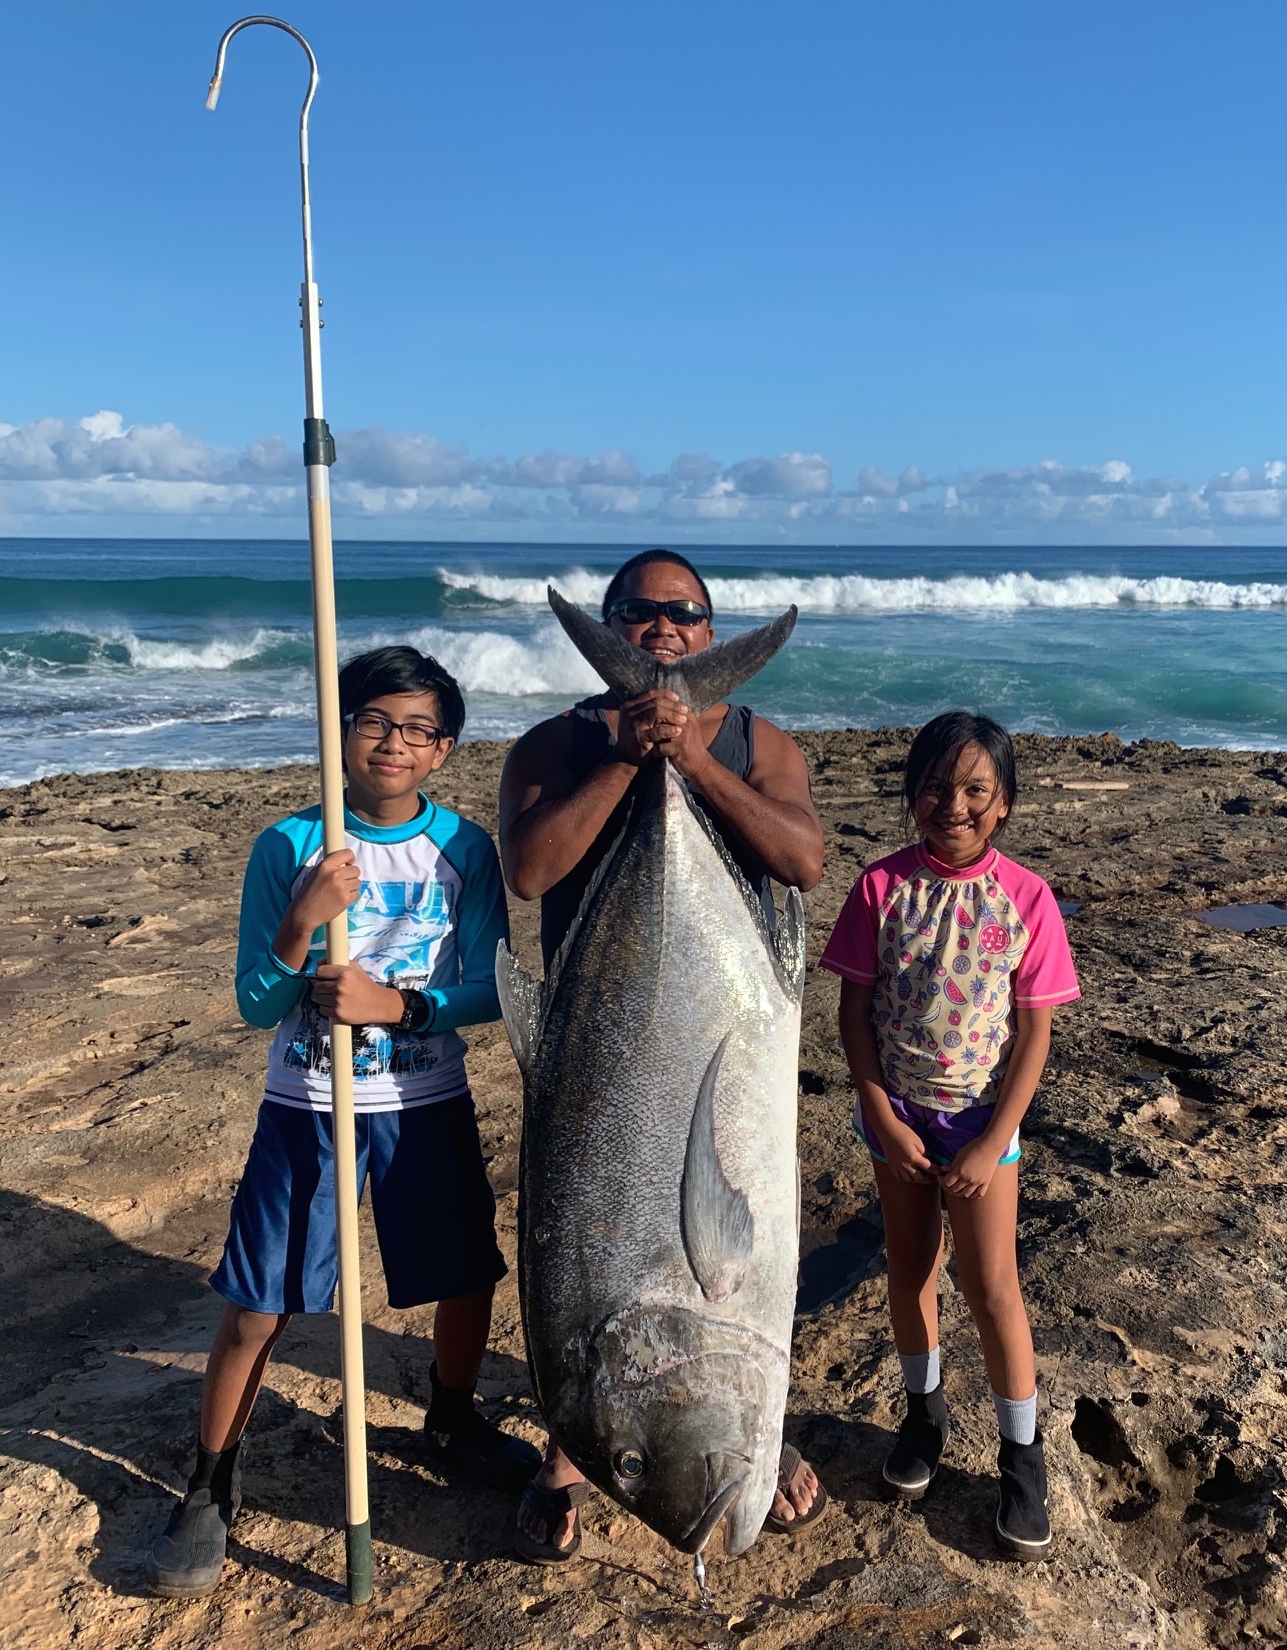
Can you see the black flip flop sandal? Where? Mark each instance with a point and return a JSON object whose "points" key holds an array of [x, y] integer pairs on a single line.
{"points": [[552, 1506], [789, 1464]]}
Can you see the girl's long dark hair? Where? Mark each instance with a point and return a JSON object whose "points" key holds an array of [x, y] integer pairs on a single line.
{"points": [[942, 740]]}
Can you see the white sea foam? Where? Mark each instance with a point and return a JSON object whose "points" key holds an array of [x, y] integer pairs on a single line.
{"points": [[857, 593], [220, 653], [487, 661], [41, 654], [203, 718], [578, 584]]}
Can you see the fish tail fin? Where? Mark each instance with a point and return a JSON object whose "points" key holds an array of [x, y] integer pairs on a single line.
{"points": [[701, 680]]}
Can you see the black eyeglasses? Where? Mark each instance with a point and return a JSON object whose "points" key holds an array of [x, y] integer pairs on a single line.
{"points": [[639, 610], [374, 724]]}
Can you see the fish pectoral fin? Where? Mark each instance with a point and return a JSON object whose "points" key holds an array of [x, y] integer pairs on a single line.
{"points": [[522, 1005], [718, 1228]]}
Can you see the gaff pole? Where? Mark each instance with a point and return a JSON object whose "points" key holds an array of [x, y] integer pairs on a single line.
{"points": [[319, 455]]}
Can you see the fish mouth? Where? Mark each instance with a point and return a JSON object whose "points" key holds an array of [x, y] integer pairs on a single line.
{"points": [[714, 1510]]}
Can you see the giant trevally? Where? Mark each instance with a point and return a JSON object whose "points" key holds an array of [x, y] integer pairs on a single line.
{"points": [[659, 1193]]}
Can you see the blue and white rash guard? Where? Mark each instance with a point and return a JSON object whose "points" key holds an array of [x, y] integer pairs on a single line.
{"points": [[429, 913]]}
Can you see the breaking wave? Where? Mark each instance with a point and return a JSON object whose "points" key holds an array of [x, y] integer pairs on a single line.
{"points": [[53, 651], [484, 661], [859, 593], [488, 662]]}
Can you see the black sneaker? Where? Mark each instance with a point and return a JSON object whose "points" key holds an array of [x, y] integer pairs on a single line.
{"points": [[914, 1459], [1023, 1524], [476, 1447], [460, 1439], [186, 1559]]}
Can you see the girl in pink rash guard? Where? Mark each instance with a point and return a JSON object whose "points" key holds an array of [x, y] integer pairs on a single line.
{"points": [[952, 959]]}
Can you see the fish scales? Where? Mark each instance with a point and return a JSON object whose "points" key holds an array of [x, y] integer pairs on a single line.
{"points": [[659, 1200]]}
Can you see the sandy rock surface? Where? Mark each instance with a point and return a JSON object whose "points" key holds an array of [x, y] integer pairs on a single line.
{"points": [[1153, 1232]]}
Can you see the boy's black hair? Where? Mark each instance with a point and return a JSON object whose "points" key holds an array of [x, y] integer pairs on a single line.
{"points": [[942, 740], [401, 670], [623, 572]]}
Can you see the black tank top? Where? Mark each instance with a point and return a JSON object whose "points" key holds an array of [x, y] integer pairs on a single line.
{"points": [[733, 747]]}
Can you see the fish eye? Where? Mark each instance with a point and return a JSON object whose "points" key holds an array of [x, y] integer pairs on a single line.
{"points": [[628, 1463]]}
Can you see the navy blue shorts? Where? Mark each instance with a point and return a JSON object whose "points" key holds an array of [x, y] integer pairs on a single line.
{"points": [[433, 1206]]}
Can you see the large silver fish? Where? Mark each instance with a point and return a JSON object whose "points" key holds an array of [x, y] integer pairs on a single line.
{"points": [[659, 1193]]}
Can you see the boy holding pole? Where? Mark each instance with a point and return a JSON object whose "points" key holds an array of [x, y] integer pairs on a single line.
{"points": [[426, 907]]}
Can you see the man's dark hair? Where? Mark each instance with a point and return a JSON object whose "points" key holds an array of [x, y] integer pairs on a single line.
{"points": [[941, 741], [618, 580], [401, 670]]}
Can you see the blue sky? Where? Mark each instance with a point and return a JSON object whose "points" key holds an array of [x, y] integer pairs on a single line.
{"points": [[714, 270]]}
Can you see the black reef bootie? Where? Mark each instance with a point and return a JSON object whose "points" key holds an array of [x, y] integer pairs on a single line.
{"points": [[186, 1559], [1023, 1523], [914, 1459], [460, 1438]]}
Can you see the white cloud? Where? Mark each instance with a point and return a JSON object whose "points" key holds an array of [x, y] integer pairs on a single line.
{"points": [[406, 459], [874, 483], [548, 469], [695, 467], [103, 426], [101, 466], [102, 445], [793, 475]]}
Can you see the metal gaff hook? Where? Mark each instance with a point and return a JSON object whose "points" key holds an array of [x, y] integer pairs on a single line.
{"points": [[310, 303]]}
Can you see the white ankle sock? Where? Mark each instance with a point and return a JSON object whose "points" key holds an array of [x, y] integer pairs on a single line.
{"points": [[920, 1370], [1017, 1418]]}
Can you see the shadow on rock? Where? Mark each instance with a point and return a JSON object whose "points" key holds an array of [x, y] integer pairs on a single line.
{"points": [[848, 1455], [77, 1289], [120, 1427]]}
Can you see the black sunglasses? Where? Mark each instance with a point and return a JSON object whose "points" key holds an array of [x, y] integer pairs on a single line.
{"points": [[639, 610]]}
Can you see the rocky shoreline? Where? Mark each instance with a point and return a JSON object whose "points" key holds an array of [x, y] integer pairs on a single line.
{"points": [[1153, 1242]]}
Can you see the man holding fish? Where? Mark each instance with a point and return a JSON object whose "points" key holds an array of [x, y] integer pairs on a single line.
{"points": [[570, 807]]}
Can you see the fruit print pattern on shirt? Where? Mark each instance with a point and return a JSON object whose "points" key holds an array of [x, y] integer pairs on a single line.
{"points": [[943, 1010]]}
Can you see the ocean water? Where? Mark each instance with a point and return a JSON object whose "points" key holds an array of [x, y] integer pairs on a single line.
{"points": [[197, 653]]}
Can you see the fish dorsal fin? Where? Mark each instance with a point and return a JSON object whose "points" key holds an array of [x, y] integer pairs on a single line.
{"points": [[701, 679], [522, 1001], [718, 1228]]}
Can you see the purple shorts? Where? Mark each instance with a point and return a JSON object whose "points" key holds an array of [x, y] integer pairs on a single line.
{"points": [[942, 1133]]}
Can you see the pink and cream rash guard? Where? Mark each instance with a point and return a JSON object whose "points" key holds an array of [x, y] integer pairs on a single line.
{"points": [[952, 954]]}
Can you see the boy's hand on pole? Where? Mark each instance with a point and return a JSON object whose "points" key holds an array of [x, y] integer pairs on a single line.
{"points": [[331, 889], [332, 886], [346, 993]]}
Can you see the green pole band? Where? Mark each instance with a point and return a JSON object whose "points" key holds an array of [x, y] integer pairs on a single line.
{"points": [[357, 1555], [319, 443]]}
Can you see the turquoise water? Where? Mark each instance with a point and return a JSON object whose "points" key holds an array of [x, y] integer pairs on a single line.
{"points": [[196, 653]]}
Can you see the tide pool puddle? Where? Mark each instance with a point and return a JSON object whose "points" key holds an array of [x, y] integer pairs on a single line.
{"points": [[1244, 919], [1068, 907]]}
